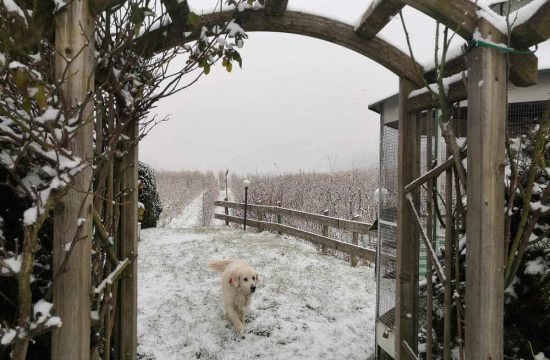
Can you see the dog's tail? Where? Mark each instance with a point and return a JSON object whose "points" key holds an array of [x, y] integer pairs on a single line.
{"points": [[219, 265]]}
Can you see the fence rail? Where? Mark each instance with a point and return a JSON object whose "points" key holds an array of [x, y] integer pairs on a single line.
{"points": [[355, 227]]}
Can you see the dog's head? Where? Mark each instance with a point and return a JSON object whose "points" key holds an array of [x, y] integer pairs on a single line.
{"points": [[244, 278]]}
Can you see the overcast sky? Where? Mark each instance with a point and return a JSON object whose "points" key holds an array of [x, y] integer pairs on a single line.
{"points": [[297, 104]]}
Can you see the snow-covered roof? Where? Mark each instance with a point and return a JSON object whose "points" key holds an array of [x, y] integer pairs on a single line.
{"points": [[376, 105]]}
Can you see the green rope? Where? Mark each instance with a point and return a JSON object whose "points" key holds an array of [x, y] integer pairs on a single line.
{"points": [[476, 43]]}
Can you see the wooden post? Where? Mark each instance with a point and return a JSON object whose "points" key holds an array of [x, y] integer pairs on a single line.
{"points": [[279, 218], [226, 209], [74, 39], [429, 228], [325, 234], [406, 299], [485, 218], [128, 246], [354, 241], [260, 217]]}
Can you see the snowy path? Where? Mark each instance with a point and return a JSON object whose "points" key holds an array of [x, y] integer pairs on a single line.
{"points": [[189, 217], [308, 307]]}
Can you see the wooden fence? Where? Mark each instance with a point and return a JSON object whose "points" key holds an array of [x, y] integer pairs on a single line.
{"points": [[355, 227]]}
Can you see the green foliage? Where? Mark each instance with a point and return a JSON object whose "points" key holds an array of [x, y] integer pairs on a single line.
{"points": [[527, 308], [149, 196]]}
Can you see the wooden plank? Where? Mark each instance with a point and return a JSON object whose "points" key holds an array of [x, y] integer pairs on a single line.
{"points": [[294, 23], [459, 15], [378, 15], [275, 7], [128, 246], [429, 248], [434, 173], [342, 224], [226, 210], [429, 226], [523, 69], [457, 92], [485, 216], [324, 232], [260, 215], [406, 300], [71, 295], [354, 241], [351, 249], [535, 30]]}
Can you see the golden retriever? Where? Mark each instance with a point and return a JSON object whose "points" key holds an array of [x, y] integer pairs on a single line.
{"points": [[239, 282]]}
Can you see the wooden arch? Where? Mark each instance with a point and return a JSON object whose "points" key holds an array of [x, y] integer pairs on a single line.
{"points": [[457, 14], [291, 22], [487, 105]]}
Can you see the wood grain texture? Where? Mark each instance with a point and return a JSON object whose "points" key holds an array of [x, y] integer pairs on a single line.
{"points": [[291, 22], [533, 31], [406, 300], [129, 247], [275, 7], [457, 92], [523, 69], [485, 217], [354, 241], [378, 15], [459, 15], [71, 296]]}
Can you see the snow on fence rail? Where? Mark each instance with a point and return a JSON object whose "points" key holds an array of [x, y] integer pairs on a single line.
{"points": [[355, 227]]}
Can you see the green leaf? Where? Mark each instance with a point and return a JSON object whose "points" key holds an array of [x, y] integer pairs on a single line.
{"points": [[192, 19], [40, 97]]}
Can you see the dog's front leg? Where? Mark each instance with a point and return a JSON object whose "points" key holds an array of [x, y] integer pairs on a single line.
{"points": [[234, 317], [241, 314]]}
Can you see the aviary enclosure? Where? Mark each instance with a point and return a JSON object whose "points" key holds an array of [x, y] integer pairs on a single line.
{"points": [[79, 78]]}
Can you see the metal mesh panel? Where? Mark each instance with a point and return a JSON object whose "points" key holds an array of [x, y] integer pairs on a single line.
{"points": [[523, 116], [387, 229]]}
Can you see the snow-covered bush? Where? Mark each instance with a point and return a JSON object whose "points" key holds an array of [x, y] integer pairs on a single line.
{"points": [[527, 296], [38, 166], [210, 195], [148, 196]]}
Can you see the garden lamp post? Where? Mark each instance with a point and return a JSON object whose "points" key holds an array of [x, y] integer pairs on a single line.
{"points": [[246, 185]]}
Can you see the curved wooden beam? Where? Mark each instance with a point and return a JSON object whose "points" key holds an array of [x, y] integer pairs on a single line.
{"points": [[294, 23]]}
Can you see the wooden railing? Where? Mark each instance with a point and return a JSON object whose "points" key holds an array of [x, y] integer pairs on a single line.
{"points": [[355, 227]]}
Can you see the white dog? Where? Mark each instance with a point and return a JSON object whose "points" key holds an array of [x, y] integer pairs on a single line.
{"points": [[239, 282]]}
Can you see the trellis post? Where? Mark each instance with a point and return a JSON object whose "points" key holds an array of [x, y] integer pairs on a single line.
{"points": [[128, 245], [487, 86], [354, 241], [324, 232], [406, 299], [74, 44]]}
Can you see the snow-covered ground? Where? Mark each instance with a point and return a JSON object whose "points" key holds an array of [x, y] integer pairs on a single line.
{"points": [[189, 217], [308, 306]]}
